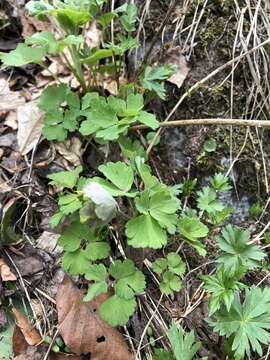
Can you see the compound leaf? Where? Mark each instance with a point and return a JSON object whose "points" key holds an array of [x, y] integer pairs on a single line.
{"points": [[96, 289], [116, 311], [183, 345], [120, 174], [23, 55], [246, 322], [207, 200], [97, 251], [121, 269], [96, 272], [152, 77], [75, 262], [144, 231], [237, 252], [66, 179], [130, 286]]}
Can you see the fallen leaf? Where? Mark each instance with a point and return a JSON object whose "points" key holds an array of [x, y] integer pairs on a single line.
{"points": [[30, 334], [174, 57], [11, 120], [29, 265], [93, 35], [9, 100], [19, 343], [7, 233], [5, 273], [55, 68], [48, 242], [82, 329], [29, 126], [71, 150], [31, 24], [23, 351], [109, 83], [7, 140]]}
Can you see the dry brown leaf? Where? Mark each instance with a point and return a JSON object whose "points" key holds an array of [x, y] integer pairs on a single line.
{"points": [[71, 150], [30, 334], [23, 351], [83, 330], [48, 242], [55, 68], [29, 126], [109, 84], [9, 100], [174, 57], [93, 35], [5, 273], [11, 120], [31, 24]]}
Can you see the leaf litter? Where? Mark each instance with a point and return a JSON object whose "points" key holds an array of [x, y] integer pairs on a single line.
{"points": [[83, 330]]}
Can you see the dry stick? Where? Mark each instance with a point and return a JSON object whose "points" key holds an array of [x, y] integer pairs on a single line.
{"points": [[217, 121], [204, 80], [51, 344]]}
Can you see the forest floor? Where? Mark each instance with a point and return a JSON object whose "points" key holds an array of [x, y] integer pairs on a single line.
{"points": [[205, 35]]}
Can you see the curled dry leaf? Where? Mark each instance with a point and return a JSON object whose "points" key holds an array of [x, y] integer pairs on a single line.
{"points": [[9, 100], [71, 150], [29, 126], [83, 330], [5, 273], [93, 35], [23, 351], [174, 57], [11, 120], [30, 334]]}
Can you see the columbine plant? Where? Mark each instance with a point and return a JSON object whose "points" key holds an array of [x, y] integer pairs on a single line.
{"points": [[151, 213]]}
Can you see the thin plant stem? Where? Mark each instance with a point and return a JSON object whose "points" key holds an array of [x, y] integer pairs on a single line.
{"points": [[217, 121]]}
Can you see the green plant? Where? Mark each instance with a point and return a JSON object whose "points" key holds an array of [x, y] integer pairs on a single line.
{"points": [[170, 269], [184, 346], [237, 252], [128, 282], [255, 210], [155, 213], [66, 111], [124, 197], [221, 288], [246, 322]]}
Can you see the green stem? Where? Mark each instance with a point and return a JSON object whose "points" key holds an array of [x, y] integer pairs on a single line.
{"points": [[78, 67]]}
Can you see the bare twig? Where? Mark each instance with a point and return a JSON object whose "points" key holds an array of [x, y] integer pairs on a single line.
{"points": [[217, 121]]}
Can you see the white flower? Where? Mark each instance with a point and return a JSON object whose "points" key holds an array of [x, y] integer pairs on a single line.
{"points": [[106, 207]]}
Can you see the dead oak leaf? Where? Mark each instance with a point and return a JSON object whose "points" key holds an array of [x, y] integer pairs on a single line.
{"points": [[9, 100], [83, 330], [175, 57], [29, 126]]}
